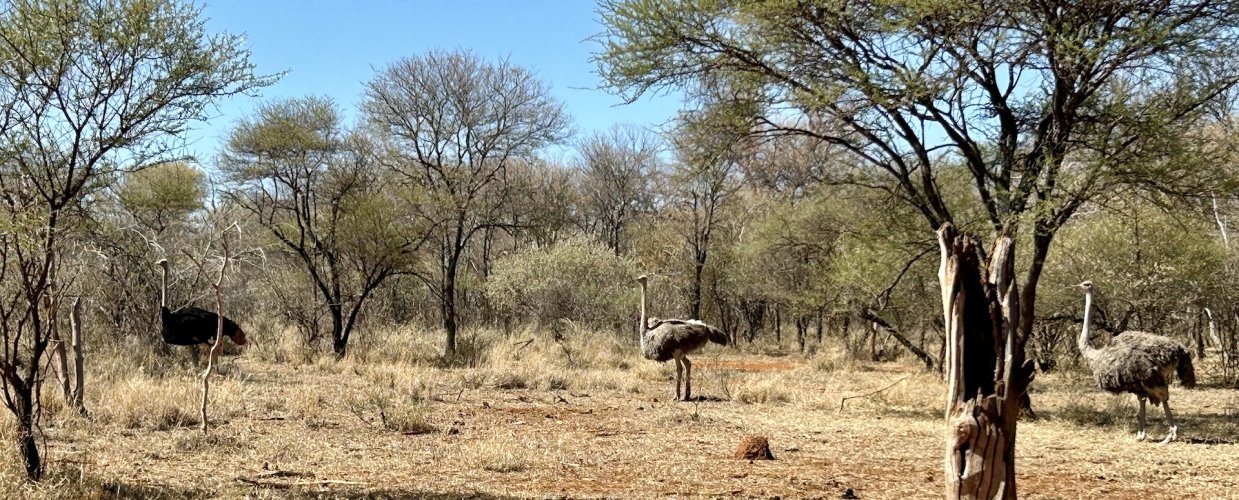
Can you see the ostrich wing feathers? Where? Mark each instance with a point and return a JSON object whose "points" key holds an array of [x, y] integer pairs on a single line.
{"points": [[1164, 352], [669, 336], [193, 326]]}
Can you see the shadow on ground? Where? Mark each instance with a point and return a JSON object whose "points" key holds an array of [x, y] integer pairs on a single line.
{"points": [[113, 489], [1193, 429]]}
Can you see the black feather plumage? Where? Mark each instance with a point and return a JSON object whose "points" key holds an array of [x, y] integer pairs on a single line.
{"points": [[191, 325], [194, 325]]}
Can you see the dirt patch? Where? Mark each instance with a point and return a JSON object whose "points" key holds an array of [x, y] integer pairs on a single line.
{"points": [[618, 443]]}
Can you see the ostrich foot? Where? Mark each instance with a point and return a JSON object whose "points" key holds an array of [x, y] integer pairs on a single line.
{"points": [[1172, 435], [1140, 436]]}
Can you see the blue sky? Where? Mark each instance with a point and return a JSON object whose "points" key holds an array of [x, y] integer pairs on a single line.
{"points": [[331, 48]]}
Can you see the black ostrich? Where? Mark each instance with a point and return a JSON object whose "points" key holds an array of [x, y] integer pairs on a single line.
{"points": [[192, 326]]}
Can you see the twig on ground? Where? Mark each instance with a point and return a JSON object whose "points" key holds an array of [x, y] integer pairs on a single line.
{"points": [[844, 400]]}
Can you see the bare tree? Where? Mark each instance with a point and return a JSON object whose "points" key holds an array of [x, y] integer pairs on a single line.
{"points": [[456, 123], [217, 286], [705, 177], [617, 168]]}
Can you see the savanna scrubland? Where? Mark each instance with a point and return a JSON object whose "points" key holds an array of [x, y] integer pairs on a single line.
{"points": [[435, 308]]}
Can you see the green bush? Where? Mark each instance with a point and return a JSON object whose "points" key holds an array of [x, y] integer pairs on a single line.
{"points": [[579, 279]]}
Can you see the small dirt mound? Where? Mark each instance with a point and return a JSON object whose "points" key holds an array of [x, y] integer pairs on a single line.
{"points": [[754, 448]]}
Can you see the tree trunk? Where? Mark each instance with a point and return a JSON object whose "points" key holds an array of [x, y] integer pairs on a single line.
{"points": [[984, 388], [448, 309], [27, 443], [1198, 334], [873, 341], [1217, 341], [339, 342], [802, 331], [77, 398], [819, 328], [778, 324], [698, 268], [22, 395], [754, 315], [59, 352]]}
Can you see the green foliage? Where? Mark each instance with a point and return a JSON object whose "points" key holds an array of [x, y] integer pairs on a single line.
{"points": [[162, 195], [788, 255], [1148, 265], [319, 191], [578, 279]]}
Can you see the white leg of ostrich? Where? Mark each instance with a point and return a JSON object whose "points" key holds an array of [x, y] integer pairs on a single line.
{"points": [[688, 379], [1140, 419], [679, 372], [1173, 433]]}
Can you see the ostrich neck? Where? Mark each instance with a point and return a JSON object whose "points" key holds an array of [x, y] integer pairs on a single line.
{"points": [[1088, 309], [163, 288], [641, 327]]}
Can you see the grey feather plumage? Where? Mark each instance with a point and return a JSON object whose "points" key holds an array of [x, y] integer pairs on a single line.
{"points": [[664, 337], [1142, 364]]}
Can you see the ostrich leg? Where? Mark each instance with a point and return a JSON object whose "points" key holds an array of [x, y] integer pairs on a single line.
{"points": [[688, 379], [679, 373], [1173, 433], [1140, 419]]}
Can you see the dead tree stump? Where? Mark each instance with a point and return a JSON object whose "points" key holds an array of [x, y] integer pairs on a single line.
{"points": [[753, 448]]}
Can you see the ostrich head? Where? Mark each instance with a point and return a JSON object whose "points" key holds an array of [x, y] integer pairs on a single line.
{"points": [[642, 279], [1084, 285], [162, 263]]}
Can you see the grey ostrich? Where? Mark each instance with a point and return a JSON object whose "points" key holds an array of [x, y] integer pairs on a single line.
{"points": [[1139, 363], [666, 339]]}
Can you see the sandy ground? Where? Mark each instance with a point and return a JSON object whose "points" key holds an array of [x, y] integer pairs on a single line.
{"points": [[299, 432]]}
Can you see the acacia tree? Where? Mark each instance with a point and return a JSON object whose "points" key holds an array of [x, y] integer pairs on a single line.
{"points": [[1048, 104], [543, 203], [87, 89], [455, 123], [318, 190], [162, 196]]}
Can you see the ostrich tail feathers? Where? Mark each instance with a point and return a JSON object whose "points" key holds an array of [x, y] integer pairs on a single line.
{"points": [[1187, 374], [718, 337]]}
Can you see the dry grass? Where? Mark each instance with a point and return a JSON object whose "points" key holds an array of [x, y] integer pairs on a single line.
{"points": [[587, 418]]}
